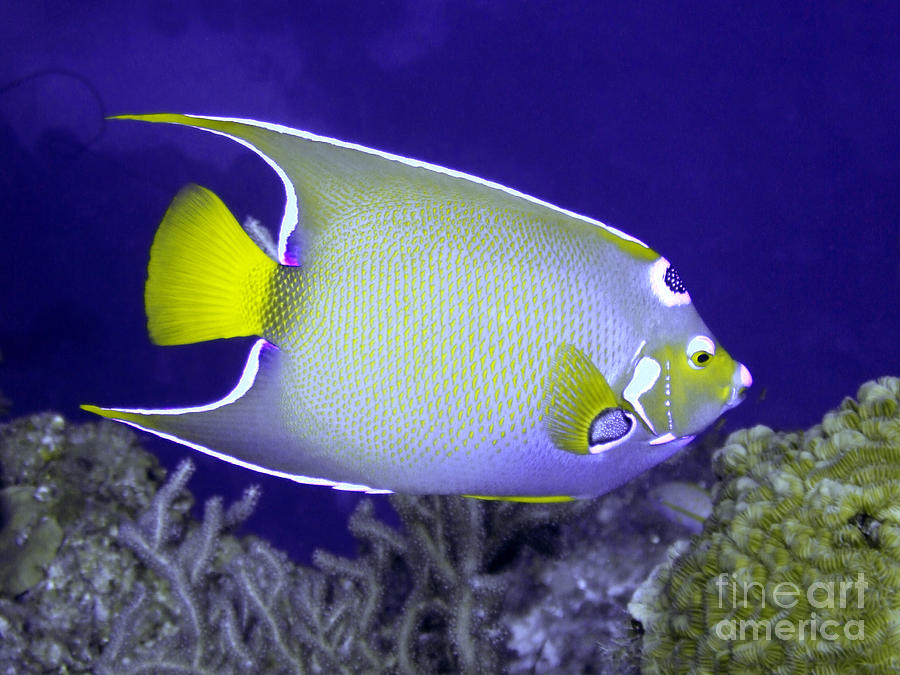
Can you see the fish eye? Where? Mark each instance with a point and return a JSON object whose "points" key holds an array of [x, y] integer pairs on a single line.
{"points": [[700, 351], [701, 358]]}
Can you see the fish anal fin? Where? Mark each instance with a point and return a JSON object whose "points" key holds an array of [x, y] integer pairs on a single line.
{"points": [[551, 499], [242, 427], [112, 413]]}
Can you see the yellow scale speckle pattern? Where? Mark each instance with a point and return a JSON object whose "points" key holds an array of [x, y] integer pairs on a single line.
{"points": [[419, 336], [415, 334]]}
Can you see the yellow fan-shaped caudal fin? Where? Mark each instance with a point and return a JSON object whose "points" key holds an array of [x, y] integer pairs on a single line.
{"points": [[206, 278]]}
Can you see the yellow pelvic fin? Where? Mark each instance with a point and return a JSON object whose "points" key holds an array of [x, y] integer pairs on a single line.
{"points": [[576, 393], [527, 500], [206, 279]]}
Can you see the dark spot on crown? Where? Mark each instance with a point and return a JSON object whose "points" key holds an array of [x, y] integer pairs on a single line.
{"points": [[673, 280]]}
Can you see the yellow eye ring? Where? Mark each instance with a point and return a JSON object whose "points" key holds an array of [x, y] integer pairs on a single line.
{"points": [[701, 359]]}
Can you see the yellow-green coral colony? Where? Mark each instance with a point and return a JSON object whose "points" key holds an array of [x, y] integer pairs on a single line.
{"points": [[798, 567], [427, 331]]}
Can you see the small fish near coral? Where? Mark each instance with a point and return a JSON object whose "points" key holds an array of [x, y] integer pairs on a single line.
{"points": [[427, 331]]}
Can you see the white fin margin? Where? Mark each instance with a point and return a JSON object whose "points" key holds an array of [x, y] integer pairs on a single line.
{"points": [[290, 218], [248, 377], [306, 480], [670, 438]]}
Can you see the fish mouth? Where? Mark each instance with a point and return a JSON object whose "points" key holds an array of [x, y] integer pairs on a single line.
{"points": [[741, 382]]}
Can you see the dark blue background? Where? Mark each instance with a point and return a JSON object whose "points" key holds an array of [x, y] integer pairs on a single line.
{"points": [[755, 144]]}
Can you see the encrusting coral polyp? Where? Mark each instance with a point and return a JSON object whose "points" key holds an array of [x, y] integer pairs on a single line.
{"points": [[797, 570]]}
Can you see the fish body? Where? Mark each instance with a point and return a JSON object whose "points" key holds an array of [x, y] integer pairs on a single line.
{"points": [[425, 331]]}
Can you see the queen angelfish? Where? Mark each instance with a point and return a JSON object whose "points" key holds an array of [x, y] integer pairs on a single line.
{"points": [[426, 331]]}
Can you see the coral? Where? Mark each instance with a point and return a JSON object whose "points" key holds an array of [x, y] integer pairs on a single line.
{"points": [[29, 539], [566, 613], [797, 570], [425, 600], [135, 584], [59, 595], [169, 626]]}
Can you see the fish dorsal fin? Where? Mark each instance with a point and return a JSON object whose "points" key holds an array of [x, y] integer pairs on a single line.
{"points": [[328, 181], [325, 180], [582, 413]]}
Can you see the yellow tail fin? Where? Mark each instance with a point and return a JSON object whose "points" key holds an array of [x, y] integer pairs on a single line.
{"points": [[206, 278]]}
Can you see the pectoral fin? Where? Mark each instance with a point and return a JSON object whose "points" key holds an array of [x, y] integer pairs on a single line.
{"points": [[583, 415]]}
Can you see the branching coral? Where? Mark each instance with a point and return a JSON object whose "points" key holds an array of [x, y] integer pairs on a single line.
{"points": [[174, 636], [238, 606], [797, 569], [136, 585], [252, 609], [452, 551]]}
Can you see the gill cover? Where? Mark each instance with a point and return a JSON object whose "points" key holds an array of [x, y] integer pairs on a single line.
{"points": [[681, 386]]}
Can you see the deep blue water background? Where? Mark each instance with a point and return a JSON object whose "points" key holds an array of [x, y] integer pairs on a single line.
{"points": [[755, 144]]}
